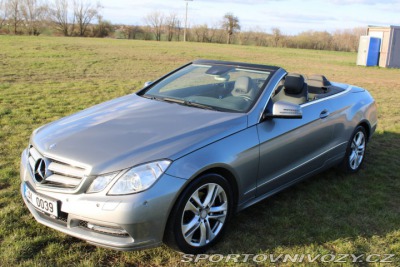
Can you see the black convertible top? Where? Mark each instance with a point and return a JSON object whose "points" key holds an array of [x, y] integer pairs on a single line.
{"points": [[237, 64]]}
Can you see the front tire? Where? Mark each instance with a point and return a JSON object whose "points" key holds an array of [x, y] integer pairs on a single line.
{"points": [[355, 152], [200, 215]]}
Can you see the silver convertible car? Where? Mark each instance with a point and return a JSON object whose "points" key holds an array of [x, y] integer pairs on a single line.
{"points": [[173, 162]]}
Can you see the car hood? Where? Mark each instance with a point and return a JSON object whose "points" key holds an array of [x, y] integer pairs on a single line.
{"points": [[132, 130]]}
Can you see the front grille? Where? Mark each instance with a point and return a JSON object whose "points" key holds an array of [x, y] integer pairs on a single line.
{"points": [[83, 224], [62, 219], [58, 174], [62, 216]]}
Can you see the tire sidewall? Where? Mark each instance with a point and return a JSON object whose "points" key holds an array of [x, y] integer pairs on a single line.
{"points": [[346, 162], [180, 206]]}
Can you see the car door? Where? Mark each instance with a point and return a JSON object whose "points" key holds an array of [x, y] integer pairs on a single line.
{"points": [[292, 148]]}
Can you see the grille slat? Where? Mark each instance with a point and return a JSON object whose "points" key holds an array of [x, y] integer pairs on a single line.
{"points": [[34, 153], [60, 175], [31, 163], [66, 170], [55, 178]]}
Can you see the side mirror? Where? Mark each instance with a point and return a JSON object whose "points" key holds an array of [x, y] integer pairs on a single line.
{"points": [[284, 110], [147, 83]]}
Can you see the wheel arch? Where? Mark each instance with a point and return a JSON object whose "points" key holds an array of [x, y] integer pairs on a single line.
{"points": [[367, 126], [229, 176], [224, 172], [220, 170]]}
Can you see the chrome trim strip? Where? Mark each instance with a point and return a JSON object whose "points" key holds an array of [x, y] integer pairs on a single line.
{"points": [[63, 180], [66, 170], [34, 153], [64, 190], [72, 163], [250, 190], [326, 98], [31, 163], [105, 229], [273, 179]]}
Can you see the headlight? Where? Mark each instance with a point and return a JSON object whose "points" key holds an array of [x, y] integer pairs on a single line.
{"points": [[139, 178], [101, 182]]}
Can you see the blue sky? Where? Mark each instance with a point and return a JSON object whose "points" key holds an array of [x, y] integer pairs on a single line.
{"points": [[291, 16]]}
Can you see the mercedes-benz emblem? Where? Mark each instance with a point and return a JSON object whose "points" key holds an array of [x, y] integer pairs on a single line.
{"points": [[40, 170]]}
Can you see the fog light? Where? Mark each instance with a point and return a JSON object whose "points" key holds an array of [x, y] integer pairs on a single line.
{"points": [[107, 230]]}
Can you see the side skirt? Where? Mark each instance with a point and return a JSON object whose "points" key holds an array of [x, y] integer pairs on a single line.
{"points": [[328, 164]]}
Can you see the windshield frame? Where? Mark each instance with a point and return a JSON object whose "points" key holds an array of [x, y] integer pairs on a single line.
{"points": [[245, 66]]}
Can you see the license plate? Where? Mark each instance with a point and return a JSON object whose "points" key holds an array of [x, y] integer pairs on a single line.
{"points": [[41, 203]]}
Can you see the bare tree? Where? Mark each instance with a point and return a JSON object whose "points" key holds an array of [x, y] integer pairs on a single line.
{"points": [[276, 35], [84, 13], [246, 37], [3, 13], [211, 34], [230, 24], [34, 13], [260, 37], [322, 40], [61, 17], [134, 32], [357, 32], [14, 14], [216, 34], [155, 20], [147, 32], [171, 23], [347, 40], [178, 30], [103, 28], [200, 32]]}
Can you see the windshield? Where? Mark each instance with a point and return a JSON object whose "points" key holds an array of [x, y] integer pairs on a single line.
{"points": [[218, 87]]}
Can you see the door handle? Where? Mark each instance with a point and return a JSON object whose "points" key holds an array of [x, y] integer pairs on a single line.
{"points": [[324, 114]]}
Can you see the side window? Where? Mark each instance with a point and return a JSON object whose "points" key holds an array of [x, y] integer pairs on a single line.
{"points": [[278, 90]]}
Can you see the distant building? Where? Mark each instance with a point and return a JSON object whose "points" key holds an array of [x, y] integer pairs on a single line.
{"points": [[368, 51], [389, 53]]}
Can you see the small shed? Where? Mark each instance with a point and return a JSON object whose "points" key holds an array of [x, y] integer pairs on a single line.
{"points": [[389, 56], [368, 51]]}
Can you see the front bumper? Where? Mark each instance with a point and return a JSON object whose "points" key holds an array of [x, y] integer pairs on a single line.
{"points": [[139, 219]]}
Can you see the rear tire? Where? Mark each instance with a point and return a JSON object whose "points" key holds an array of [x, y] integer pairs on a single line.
{"points": [[200, 215], [355, 152]]}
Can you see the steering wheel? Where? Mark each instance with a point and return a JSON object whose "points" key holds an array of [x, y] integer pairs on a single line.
{"points": [[246, 98]]}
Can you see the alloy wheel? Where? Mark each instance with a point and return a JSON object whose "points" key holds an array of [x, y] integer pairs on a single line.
{"points": [[204, 214], [357, 150]]}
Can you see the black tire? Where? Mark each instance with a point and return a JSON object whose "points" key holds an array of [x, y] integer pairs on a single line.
{"points": [[355, 152], [203, 224]]}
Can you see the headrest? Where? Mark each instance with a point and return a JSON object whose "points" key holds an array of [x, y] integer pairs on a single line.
{"points": [[243, 85], [294, 83], [318, 80]]}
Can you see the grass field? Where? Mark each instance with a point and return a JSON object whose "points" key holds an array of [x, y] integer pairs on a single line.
{"points": [[43, 79]]}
